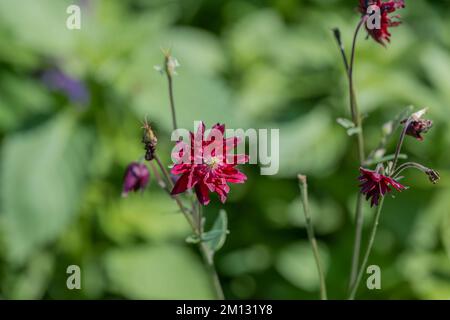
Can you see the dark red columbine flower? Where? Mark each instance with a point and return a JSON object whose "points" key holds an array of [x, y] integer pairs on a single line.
{"points": [[382, 34], [207, 164], [136, 178], [375, 185], [418, 126]]}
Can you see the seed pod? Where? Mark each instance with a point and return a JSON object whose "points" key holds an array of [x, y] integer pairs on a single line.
{"points": [[150, 141]]}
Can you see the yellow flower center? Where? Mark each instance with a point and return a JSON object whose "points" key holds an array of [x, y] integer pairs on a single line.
{"points": [[212, 162]]}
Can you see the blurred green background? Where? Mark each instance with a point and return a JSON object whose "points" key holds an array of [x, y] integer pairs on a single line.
{"points": [[249, 64]]}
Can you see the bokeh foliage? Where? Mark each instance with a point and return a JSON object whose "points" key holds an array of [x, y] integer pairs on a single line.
{"points": [[249, 64]]}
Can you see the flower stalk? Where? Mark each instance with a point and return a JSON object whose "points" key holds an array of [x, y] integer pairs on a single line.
{"points": [[356, 118], [311, 236], [376, 221], [195, 221], [170, 63], [194, 214]]}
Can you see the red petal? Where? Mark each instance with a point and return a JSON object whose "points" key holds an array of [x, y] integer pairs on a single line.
{"points": [[201, 191], [181, 185]]}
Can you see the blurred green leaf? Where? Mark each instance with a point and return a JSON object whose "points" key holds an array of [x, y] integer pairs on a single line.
{"points": [[307, 139], [297, 265], [254, 259], [427, 273], [42, 173], [152, 215], [32, 282], [326, 215], [157, 272], [44, 17]]}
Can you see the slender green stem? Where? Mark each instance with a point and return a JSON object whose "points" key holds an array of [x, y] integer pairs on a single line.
{"points": [[371, 162], [169, 64], [408, 165], [355, 286], [432, 175], [359, 217], [209, 260], [353, 103], [387, 137], [197, 228], [400, 144], [200, 218], [359, 224], [312, 239], [337, 35], [172, 101]]}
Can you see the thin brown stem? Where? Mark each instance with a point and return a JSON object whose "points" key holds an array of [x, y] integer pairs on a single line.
{"points": [[164, 172], [158, 177]]}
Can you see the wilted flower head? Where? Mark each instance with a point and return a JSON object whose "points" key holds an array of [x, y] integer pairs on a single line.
{"points": [[136, 178], [375, 185], [382, 34], [74, 89], [207, 164], [417, 127], [433, 176], [149, 140]]}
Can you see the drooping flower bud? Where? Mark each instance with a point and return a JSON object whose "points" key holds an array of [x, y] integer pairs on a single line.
{"points": [[136, 178], [417, 126]]}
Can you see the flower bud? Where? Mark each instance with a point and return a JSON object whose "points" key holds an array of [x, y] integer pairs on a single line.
{"points": [[136, 178]]}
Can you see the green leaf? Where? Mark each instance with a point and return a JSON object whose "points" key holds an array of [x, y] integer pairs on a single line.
{"points": [[41, 178], [193, 239], [215, 238], [346, 123], [353, 131], [150, 216], [157, 272], [32, 282]]}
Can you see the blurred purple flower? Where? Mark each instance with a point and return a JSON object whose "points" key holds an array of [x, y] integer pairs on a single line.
{"points": [[57, 80], [136, 178]]}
